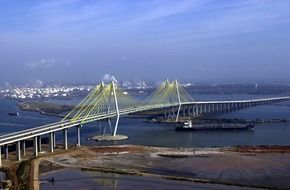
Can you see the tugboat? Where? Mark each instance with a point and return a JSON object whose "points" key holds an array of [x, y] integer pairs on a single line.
{"points": [[13, 113], [220, 127]]}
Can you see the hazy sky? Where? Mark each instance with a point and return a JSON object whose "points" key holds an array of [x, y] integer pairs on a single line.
{"points": [[199, 40]]}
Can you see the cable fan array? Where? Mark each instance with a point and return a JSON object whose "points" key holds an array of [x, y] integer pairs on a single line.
{"points": [[108, 98], [101, 100], [173, 92]]}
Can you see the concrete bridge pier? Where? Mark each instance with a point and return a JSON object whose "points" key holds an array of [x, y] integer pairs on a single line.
{"points": [[200, 109], [6, 152], [65, 139], [0, 157], [79, 135], [24, 148], [35, 146], [208, 108], [51, 142], [205, 108], [213, 107], [236, 106], [54, 142], [165, 115], [18, 151], [228, 107], [196, 111], [221, 107], [39, 144], [216, 107], [183, 111], [224, 107], [173, 112]]}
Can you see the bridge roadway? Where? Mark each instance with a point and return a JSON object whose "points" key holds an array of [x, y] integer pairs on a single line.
{"points": [[51, 129]]}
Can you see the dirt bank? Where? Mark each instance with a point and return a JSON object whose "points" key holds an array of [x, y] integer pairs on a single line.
{"points": [[258, 167]]}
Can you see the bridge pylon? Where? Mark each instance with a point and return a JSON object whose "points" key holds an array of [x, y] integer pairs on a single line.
{"points": [[104, 99], [170, 93]]}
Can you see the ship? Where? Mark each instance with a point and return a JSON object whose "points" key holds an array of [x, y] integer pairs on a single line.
{"points": [[188, 126], [13, 113]]}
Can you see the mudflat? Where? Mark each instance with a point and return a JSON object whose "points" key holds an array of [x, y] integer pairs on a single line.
{"points": [[258, 167]]}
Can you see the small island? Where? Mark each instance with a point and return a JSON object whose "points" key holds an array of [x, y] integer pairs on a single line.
{"points": [[45, 108]]}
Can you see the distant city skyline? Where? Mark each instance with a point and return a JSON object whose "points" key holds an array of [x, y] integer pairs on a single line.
{"points": [[199, 41]]}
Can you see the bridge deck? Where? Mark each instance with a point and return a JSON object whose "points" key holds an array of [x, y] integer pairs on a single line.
{"points": [[53, 127]]}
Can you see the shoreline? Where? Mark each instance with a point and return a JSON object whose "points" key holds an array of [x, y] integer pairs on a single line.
{"points": [[196, 165], [134, 159], [34, 107]]}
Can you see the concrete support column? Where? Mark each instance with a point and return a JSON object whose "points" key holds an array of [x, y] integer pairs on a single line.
{"points": [[0, 157], [65, 139], [193, 112], [24, 148], [51, 141], [35, 146], [39, 144], [6, 152], [79, 135], [199, 110], [18, 151], [54, 141]]}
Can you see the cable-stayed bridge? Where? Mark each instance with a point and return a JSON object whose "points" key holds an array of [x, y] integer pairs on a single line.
{"points": [[110, 101]]}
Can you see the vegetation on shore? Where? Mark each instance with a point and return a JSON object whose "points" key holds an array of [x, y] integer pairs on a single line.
{"points": [[23, 174], [45, 107]]}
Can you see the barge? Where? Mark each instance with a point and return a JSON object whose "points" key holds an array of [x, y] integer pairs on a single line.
{"points": [[215, 127]]}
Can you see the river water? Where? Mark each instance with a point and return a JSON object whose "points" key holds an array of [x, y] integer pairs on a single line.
{"points": [[153, 134], [157, 134]]}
